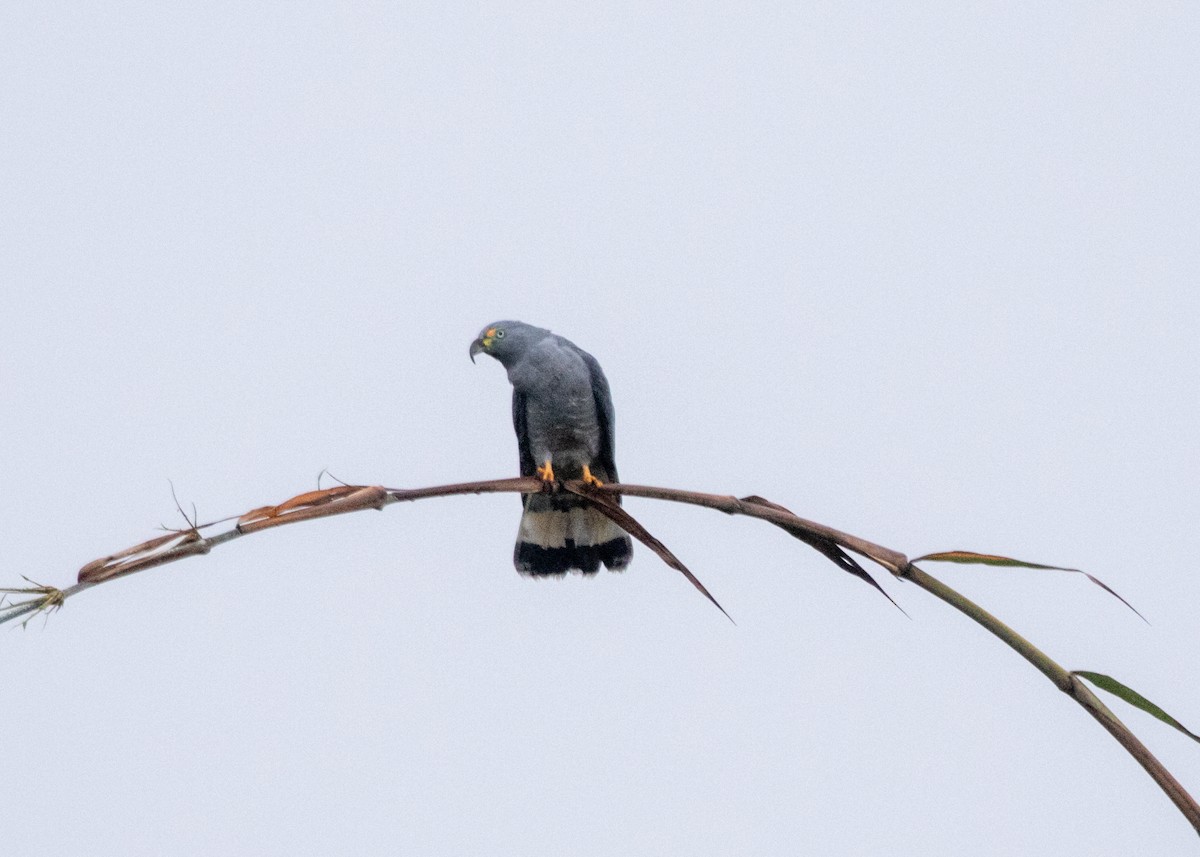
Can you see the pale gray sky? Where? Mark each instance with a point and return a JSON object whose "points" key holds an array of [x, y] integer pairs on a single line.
{"points": [[927, 273]]}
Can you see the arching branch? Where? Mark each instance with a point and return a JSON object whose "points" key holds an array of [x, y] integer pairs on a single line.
{"points": [[833, 544]]}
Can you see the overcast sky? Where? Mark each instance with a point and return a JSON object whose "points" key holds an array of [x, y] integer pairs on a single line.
{"points": [[926, 273]]}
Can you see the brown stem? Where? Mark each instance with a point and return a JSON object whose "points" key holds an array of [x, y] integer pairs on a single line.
{"points": [[343, 499]]}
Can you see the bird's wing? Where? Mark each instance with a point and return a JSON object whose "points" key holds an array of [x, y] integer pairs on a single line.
{"points": [[604, 414], [521, 427]]}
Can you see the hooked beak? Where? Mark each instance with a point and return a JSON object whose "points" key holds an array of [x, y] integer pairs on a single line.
{"points": [[476, 348]]}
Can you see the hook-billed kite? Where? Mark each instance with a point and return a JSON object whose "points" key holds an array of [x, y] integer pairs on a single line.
{"points": [[563, 416]]}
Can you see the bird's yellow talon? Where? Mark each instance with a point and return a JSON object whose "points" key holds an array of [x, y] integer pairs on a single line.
{"points": [[546, 472], [589, 479]]}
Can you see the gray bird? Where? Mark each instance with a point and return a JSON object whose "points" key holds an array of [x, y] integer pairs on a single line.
{"points": [[563, 416]]}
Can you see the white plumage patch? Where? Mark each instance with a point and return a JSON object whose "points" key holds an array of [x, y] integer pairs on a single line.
{"points": [[552, 528]]}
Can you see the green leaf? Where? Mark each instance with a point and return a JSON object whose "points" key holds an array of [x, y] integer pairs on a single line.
{"points": [[1135, 699], [972, 558]]}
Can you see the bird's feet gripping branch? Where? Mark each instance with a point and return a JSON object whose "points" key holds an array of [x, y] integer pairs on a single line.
{"points": [[545, 472]]}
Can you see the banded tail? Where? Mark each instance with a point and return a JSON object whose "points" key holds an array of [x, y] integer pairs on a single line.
{"points": [[561, 534]]}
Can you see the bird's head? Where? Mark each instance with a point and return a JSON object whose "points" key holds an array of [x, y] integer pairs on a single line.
{"points": [[505, 340]]}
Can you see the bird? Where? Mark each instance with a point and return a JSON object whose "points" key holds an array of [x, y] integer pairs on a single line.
{"points": [[563, 416]]}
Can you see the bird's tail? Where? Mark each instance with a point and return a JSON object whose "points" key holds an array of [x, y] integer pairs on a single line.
{"points": [[559, 534]]}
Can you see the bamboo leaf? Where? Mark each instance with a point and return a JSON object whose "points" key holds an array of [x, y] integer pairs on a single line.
{"points": [[316, 498], [973, 558], [825, 546], [1135, 699], [629, 524], [258, 514]]}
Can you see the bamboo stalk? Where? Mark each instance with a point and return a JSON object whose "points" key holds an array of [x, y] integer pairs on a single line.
{"points": [[829, 541]]}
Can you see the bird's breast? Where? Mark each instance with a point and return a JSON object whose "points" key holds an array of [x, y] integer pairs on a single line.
{"points": [[564, 425]]}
